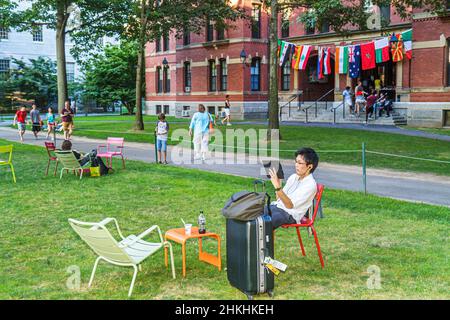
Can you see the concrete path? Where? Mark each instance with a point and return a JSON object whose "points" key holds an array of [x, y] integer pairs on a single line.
{"points": [[406, 186]]}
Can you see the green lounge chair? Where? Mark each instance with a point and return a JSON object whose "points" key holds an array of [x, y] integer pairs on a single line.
{"points": [[129, 252]]}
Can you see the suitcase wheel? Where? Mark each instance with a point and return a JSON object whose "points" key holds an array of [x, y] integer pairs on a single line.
{"points": [[270, 293], [249, 296]]}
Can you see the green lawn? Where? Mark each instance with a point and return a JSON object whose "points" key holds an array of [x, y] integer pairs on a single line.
{"points": [[322, 139], [408, 242]]}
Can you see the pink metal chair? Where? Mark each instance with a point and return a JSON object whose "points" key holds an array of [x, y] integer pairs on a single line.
{"points": [[114, 148], [309, 223], [50, 146]]}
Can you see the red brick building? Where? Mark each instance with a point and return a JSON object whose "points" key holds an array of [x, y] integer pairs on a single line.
{"points": [[204, 68]]}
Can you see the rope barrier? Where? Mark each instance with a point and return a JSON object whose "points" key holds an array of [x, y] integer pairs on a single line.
{"points": [[407, 157]]}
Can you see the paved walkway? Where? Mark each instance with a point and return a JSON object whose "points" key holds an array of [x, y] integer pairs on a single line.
{"points": [[406, 186]]}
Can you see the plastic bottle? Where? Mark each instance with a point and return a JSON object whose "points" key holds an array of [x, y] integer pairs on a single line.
{"points": [[201, 223]]}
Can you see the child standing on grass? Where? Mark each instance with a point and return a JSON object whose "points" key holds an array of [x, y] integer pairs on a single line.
{"points": [[162, 134]]}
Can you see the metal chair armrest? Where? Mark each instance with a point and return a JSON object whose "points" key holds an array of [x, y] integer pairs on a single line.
{"points": [[142, 235]]}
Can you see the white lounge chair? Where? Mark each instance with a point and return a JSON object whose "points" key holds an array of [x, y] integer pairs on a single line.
{"points": [[129, 252], [69, 162]]}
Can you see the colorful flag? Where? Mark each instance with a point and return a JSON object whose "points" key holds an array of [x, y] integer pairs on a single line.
{"points": [[368, 56], [279, 48], [407, 43], [354, 59], [382, 50], [296, 57], [320, 63], [284, 52], [341, 59], [306, 50], [397, 49], [327, 61]]}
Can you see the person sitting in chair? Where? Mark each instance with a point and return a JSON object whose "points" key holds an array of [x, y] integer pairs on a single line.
{"points": [[84, 158], [296, 197]]}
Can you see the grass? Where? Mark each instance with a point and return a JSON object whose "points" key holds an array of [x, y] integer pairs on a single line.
{"points": [[322, 139], [408, 242]]}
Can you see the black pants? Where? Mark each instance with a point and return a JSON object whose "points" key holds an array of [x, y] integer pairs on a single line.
{"points": [[279, 216]]}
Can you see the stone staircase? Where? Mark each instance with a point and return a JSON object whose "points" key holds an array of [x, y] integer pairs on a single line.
{"points": [[325, 113]]}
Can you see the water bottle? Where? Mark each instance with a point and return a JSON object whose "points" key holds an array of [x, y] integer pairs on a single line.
{"points": [[201, 223]]}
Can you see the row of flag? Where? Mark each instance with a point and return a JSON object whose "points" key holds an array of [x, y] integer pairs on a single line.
{"points": [[349, 59]]}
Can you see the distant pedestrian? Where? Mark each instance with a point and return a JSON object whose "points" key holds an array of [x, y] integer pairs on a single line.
{"points": [[200, 124], [35, 120], [21, 118], [360, 101], [51, 122], [67, 120], [227, 111], [371, 100], [162, 134], [347, 95]]}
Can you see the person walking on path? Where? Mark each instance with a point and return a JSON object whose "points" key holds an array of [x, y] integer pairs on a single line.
{"points": [[227, 111], [347, 94], [51, 122], [67, 120], [20, 118], [162, 134], [200, 126], [35, 120], [360, 101]]}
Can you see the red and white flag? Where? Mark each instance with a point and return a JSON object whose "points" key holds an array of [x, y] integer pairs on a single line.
{"points": [[304, 56], [327, 61]]}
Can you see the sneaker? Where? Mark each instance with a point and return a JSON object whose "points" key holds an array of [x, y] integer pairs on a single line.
{"points": [[229, 124], [159, 162]]}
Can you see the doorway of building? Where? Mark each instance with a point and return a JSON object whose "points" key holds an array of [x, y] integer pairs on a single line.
{"points": [[382, 77]]}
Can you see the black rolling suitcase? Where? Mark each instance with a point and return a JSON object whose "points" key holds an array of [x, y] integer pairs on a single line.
{"points": [[248, 243]]}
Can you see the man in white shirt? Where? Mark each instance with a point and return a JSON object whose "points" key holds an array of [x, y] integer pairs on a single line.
{"points": [[296, 197]]}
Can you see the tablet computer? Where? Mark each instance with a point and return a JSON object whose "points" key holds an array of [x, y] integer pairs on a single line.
{"points": [[273, 164]]}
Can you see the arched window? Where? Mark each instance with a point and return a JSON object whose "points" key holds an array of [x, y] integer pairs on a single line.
{"points": [[286, 76], [212, 75]]}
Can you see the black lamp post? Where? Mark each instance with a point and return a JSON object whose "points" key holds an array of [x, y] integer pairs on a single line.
{"points": [[243, 56], [165, 62]]}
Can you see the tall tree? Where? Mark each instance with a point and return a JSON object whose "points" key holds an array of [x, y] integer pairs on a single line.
{"points": [[341, 17], [56, 14], [148, 20], [110, 76]]}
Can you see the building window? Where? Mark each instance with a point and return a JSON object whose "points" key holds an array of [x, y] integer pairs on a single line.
{"points": [[70, 71], [325, 27], [166, 109], [220, 30], [255, 74], [310, 29], [256, 21], [223, 75], [3, 33], [187, 77], [158, 45], [159, 80], [4, 69], [385, 12], [448, 4], [285, 25], [158, 109], [212, 76], [166, 79], [166, 43], [286, 76], [448, 62], [186, 37], [209, 31], [38, 35]]}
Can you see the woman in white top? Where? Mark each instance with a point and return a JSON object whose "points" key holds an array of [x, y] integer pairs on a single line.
{"points": [[227, 111], [296, 197]]}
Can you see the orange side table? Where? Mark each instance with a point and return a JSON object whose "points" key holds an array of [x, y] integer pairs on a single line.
{"points": [[179, 236]]}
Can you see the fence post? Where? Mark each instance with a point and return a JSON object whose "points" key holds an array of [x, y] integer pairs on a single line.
{"points": [[156, 149], [364, 167]]}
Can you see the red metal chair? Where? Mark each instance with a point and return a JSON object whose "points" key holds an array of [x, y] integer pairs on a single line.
{"points": [[50, 146], [309, 223], [114, 147]]}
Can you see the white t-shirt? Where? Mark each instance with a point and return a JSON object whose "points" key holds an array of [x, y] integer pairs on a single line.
{"points": [[162, 130], [301, 193]]}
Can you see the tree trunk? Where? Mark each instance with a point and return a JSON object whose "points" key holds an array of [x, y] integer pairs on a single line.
{"points": [[61, 21], [139, 124], [273, 67]]}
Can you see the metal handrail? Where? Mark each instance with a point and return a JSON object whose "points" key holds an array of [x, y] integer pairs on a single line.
{"points": [[337, 107], [315, 104], [292, 98]]}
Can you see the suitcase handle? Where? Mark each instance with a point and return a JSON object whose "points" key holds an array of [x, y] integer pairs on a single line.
{"points": [[261, 182]]}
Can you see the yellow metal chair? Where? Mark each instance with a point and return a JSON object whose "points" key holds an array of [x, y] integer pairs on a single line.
{"points": [[8, 149]]}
